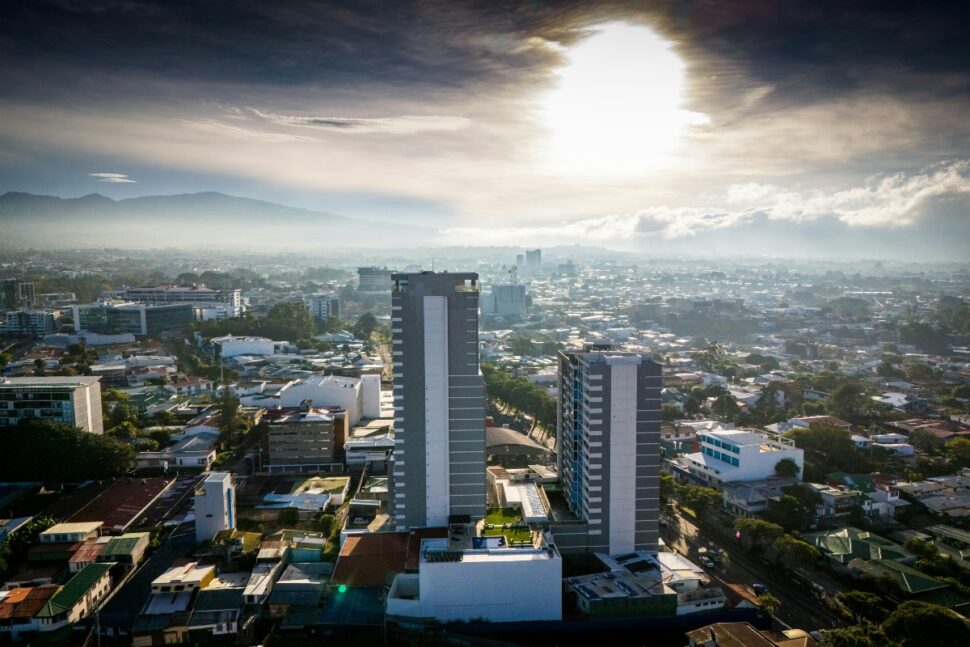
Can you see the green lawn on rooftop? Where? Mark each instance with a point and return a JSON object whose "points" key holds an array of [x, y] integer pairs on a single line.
{"points": [[498, 516], [514, 535]]}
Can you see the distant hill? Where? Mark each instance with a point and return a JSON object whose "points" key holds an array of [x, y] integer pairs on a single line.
{"points": [[195, 220]]}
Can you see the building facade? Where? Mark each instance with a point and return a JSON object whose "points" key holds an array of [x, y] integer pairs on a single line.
{"points": [[374, 279], [215, 505], [439, 400], [323, 306], [505, 301], [298, 439], [72, 400], [737, 455], [29, 323], [18, 294], [133, 318], [207, 303], [608, 436]]}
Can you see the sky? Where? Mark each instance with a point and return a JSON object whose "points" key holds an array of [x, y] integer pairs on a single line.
{"points": [[619, 124]]}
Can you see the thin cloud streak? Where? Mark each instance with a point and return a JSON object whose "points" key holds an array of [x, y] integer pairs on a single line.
{"points": [[113, 178]]}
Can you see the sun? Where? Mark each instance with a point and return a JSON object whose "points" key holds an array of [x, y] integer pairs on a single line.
{"points": [[617, 109]]}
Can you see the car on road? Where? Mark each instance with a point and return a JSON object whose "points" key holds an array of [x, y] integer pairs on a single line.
{"points": [[759, 589], [707, 563]]}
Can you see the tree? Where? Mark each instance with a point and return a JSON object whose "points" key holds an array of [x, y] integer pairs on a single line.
{"points": [[230, 424], [365, 326], [670, 412], [846, 400], [915, 624], [699, 498], [789, 513], [768, 604], [726, 408], [40, 366], [5, 358], [122, 412], [41, 450], [858, 636], [863, 605], [758, 533], [160, 436], [787, 468], [792, 550], [959, 452]]}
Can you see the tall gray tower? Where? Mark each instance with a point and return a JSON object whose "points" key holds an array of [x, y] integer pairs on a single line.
{"points": [[438, 466], [608, 437]]}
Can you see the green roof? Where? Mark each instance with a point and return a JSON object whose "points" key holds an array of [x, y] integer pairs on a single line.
{"points": [[75, 589], [851, 543], [909, 579], [122, 544]]}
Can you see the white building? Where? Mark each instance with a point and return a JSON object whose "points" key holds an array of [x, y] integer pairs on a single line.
{"points": [[371, 388], [487, 581], [326, 391], [230, 346], [728, 456], [215, 505], [72, 400]]}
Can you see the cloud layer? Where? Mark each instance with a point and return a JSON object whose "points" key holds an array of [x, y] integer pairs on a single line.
{"points": [[815, 110]]}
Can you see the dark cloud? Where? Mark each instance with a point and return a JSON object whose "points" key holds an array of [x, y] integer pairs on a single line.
{"points": [[804, 47]]}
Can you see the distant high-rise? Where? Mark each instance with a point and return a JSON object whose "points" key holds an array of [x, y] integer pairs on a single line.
{"points": [[505, 300], [608, 436], [18, 294], [374, 279], [323, 306], [438, 465], [533, 258]]}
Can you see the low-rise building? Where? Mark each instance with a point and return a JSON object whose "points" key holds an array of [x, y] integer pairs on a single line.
{"points": [[645, 584], [76, 599], [729, 456], [71, 532], [112, 318], [468, 578], [127, 549]]}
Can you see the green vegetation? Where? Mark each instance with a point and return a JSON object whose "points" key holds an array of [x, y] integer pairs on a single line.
{"points": [[39, 450], [499, 516], [289, 321], [520, 394]]}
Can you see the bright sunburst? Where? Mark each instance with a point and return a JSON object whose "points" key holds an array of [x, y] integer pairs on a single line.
{"points": [[617, 107]]}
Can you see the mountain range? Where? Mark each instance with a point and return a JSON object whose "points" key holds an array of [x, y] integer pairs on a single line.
{"points": [[196, 220]]}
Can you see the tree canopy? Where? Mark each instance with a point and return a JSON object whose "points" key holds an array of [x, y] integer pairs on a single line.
{"points": [[40, 450]]}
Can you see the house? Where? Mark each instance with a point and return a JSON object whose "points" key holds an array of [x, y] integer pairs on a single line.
{"points": [[742, 634], [127, 549], [189, 385], [71, 532], [75, 600]]}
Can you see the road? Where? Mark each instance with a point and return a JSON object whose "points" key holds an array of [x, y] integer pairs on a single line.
{"points": [[798, 609]]}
